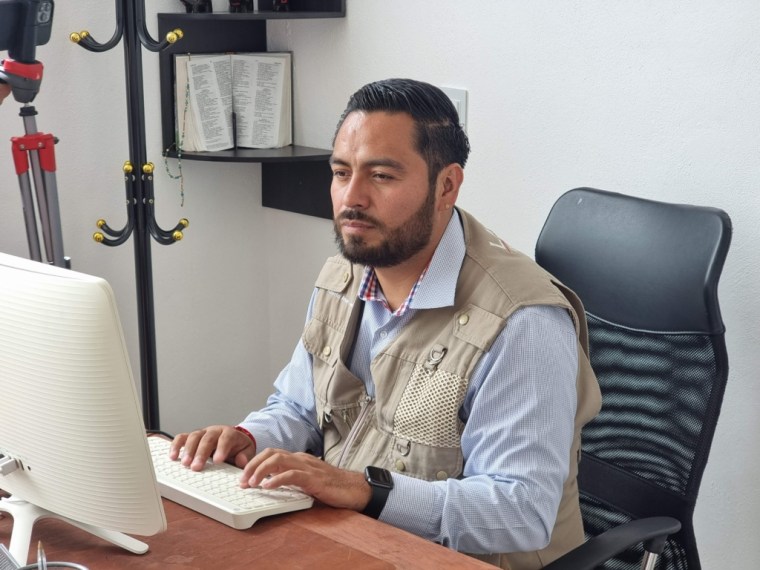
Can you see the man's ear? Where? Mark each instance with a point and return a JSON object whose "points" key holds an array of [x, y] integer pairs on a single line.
{"points": [[449, 181]]}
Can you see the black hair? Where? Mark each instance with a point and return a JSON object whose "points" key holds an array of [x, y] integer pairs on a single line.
{"points": [[440, 139]]}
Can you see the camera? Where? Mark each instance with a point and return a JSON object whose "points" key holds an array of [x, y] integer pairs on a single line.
{"points": [[24, 25]]}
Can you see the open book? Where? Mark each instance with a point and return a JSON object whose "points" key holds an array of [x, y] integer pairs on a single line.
{"points": [[225, 101]]}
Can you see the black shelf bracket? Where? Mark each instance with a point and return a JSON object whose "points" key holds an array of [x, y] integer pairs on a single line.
{"points": [[138, 179]]}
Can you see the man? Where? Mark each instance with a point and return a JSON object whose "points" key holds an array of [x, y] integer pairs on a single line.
{"points": [[435, 356]]}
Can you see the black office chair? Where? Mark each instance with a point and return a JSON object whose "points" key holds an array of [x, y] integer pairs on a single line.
{"points": [[647, 273]]}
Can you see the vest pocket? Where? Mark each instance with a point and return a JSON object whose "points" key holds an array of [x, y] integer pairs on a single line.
{"points": [[426, 425], [428, 411], [424, 461], [322, 341]]}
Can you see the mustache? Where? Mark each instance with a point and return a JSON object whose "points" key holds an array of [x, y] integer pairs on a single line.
{"points": [[356, 215]]}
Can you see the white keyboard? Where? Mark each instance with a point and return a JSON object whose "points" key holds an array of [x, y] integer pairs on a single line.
{"points": [[216, 493]]}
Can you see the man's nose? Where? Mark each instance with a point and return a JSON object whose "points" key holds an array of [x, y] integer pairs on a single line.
{"points": [[356, 193]]}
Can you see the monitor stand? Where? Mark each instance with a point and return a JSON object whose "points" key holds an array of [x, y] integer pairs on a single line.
{"points": [[26, 514]]}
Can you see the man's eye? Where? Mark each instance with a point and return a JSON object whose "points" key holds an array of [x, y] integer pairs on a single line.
{"points": [[340, 174], [382, 176]]}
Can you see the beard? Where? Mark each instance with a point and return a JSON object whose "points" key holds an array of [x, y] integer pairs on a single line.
{"points": [[398, 245]]}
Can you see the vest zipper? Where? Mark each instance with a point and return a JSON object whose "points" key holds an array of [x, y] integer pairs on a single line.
{"points": [[352, 434]]}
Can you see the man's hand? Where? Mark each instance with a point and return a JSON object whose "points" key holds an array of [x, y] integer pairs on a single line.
{"points": [[221, 443], [335, 487], [5, 90]]}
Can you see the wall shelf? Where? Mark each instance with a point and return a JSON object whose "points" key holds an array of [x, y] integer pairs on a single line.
{"points": [[288, 153], [294, 178]]}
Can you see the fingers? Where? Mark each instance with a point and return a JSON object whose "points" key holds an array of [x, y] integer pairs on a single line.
{"points": [[336, 487], [177, 444], [216, 442], [194, 449], [268, 468]]}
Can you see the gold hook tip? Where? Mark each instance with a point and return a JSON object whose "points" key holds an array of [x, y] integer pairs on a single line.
{"points": [[100, 223], [177, 235], [174, 36], [98, 237], [75, 37], [184, 222]]}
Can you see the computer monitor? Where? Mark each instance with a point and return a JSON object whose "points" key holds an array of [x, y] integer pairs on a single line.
{"points": [[71, 434]]}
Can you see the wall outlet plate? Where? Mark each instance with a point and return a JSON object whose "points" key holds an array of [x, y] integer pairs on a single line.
{"points": [[459, 98]]}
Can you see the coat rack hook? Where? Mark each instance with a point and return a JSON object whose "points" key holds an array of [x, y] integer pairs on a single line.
{"points": [[85, 40]]}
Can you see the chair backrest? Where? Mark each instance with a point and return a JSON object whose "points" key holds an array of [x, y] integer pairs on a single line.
{"points": [[647, 273]]}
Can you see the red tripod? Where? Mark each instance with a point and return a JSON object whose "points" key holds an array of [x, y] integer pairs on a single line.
{"points": [[37, 150]]}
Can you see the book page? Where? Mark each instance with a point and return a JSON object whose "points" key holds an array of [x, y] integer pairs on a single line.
{"points": [[262, 93], [211, 100], [185, 137]]}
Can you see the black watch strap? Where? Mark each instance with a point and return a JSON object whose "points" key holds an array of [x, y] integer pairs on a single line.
{"points": [[381, 482]]}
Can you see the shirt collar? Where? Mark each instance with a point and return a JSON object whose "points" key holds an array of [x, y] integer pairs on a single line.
{"points": [[438, 289]]}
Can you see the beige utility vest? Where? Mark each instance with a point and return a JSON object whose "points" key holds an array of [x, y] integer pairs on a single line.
{"points": [[412, 426]]}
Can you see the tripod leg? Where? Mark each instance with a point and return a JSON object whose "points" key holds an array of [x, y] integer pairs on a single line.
{"points": [[41, 150], [27, 201], [43, 167], [42, 202], [53, 220]]}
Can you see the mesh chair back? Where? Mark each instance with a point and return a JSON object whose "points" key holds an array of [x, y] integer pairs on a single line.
{"points": [[647, 273]]}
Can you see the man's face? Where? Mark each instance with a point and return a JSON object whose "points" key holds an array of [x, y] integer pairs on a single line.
{"points": [[383, 206]]}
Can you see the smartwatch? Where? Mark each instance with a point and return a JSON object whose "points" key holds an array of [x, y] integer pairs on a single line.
{"points": [[381, 482]]}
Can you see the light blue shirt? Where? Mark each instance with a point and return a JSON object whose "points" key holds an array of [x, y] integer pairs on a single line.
{"points": [[519, 415]]}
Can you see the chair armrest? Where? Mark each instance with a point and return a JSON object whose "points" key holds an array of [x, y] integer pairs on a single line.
{"points": [[652, 531]]}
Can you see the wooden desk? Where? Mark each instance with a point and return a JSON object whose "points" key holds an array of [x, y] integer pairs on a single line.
{"points": [[317, 538]]}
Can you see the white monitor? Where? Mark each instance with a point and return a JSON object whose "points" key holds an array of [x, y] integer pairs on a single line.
{"points": [[71, 431]]}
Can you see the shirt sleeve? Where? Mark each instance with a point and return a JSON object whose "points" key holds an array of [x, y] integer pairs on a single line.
{"points": [[519, 414]]}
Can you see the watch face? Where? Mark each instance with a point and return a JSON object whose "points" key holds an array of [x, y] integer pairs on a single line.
{"points": [[379, 477]]}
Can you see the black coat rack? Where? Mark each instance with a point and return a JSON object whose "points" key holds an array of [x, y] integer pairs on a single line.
{"points": [[138, 179]]}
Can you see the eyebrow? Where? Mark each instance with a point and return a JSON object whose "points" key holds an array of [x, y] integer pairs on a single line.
{"points": [[387, 162]]}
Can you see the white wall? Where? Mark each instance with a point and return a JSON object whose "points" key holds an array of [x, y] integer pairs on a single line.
{"points": [[656, 99]]}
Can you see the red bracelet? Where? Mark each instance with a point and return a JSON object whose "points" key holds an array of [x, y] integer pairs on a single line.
{"points": [[241, 429]]}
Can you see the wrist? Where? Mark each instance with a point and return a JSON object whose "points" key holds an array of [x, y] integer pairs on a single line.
{"points": [[366, 497], [380, 483], [248, 434]]}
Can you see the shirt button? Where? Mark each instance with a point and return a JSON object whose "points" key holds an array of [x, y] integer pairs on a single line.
{"points": [[400, 465], [326, 351], [464, 319], [441, 475], [383, 334], [346, 275]]}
